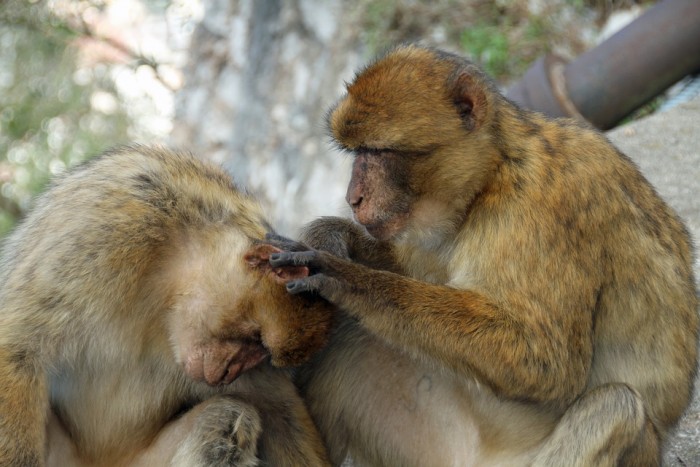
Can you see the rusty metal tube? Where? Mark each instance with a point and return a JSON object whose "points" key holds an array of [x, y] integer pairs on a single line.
{"points": [[610, 81]]}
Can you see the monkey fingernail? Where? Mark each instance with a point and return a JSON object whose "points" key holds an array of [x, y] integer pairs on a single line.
{"points": [[296, 286], [280, 259]]}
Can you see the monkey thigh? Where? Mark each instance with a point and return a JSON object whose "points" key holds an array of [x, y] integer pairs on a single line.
{"points": [[223, 430], [606, 426], [60, 449]]}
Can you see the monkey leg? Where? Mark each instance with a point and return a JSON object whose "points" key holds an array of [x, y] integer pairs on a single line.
{"points": [[271, 427], [23, 410], [220, 431], [61, 451], [606, 426]]}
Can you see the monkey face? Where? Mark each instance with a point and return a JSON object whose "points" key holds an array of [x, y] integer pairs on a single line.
{"points": [[220, 361], [414, 121], [231, 311], [379, 192]]}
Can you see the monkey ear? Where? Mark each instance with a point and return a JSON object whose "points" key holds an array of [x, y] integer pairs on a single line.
{"points": [[258, 256], [469, 99]]}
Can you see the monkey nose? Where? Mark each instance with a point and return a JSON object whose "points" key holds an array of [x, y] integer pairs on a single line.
{"points": [[354, 195], [354, 200]]}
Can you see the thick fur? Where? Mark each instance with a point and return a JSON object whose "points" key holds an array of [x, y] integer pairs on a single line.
{"points": [[525, 296], [131, 294]]}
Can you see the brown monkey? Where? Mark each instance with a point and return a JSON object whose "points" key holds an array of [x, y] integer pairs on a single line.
{"points": [[135, 292], [523, 297]]}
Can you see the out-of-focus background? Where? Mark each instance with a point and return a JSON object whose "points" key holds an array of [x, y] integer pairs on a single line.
{"points": [[247, 83], [244, 83]]}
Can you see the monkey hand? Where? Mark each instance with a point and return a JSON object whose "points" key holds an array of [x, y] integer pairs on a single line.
{"points": [[284, 243], [335, 235], [257, 259], [349, 240], [331, 234], [325, 272]]}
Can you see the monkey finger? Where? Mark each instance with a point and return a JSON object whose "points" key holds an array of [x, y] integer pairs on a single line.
{"points": [[294, 258], [327, 287], [300, 285], [284, 243], [316, 283]]}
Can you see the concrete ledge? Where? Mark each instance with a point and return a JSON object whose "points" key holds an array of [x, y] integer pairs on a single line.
{"points": [[666, 146]]}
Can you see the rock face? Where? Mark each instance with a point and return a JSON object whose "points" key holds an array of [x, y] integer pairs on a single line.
{"points": [[666, 146], [260, 80]]}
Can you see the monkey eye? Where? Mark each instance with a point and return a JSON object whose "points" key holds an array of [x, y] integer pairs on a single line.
{"points": [[372, 151], [403, 153]]}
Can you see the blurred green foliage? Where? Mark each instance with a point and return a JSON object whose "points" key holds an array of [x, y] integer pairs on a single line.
{"points": [[504, 36], [47, 120], [488, 45]]}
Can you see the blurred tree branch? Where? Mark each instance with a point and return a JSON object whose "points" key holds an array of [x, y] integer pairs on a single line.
{"points": [[66, 21]]}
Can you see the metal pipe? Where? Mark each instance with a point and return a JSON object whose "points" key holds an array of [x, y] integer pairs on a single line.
{"points": [[610, 81]]}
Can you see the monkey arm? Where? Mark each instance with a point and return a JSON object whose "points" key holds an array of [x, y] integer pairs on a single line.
{"points": [[23, 409], [337, 234], [467, 331], [342, 238]]}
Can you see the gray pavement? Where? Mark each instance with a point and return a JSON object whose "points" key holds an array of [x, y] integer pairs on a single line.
{"points": [[666, 146]]}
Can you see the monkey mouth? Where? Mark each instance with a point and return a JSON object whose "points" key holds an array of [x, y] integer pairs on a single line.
{"points": [[221, 362], [252, 355], [376, 230], [386, 229]]}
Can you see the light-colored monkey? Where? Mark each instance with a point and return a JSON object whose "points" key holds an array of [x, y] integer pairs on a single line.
{"points": [[516, 294], [131, 298]]}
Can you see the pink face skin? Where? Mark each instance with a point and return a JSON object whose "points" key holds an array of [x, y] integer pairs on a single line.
{"points": [[222, 361], [378, 195]]}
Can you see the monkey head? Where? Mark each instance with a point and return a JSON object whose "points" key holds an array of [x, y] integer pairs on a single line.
{"points": [[404, 177], [231, 310]]}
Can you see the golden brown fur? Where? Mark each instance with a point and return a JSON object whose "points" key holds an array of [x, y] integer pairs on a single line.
{"points": [[544, 310], [131, 294]]}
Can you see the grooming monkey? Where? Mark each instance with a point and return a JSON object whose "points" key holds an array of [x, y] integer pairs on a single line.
{"points": [[132, 297], [516, 292]]}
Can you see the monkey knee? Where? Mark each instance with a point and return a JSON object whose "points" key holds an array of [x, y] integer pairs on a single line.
{"points": [[621, 402], [614, 413], [600, 428], [646, 450], [226, 432]]}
